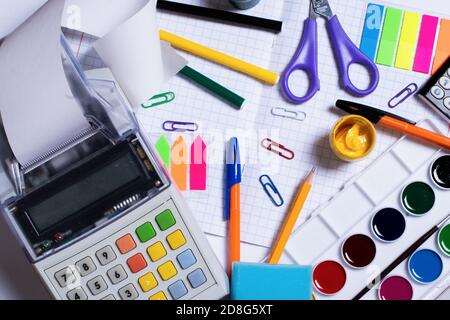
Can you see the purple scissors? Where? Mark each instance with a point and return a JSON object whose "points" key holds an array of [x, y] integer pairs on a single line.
{"points": [[346, 53]]}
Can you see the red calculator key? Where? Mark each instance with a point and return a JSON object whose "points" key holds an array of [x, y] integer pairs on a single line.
{"points": [[125, 244], [136, 263]]}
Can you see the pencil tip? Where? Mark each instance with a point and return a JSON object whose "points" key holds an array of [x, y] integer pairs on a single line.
{"points": [[311, 174]]}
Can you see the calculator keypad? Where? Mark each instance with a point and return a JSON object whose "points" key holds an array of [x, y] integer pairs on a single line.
{"points": [[136, 263], [66, 276], [86, 266], [437, 92], [105, 255], [77, 294], [447, 103], [445, 83], [97, 285], [128, 292], [117, 274], [152, 258], [125, 244], [178, 289]]}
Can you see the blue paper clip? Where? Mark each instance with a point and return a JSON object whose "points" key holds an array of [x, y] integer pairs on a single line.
{"points": [[179, 126], [403, 95], [159, 99], [271, 190]]}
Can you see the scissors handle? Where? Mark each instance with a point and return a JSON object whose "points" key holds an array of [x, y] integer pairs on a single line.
{"points": [[305, 59], [347, 54]]}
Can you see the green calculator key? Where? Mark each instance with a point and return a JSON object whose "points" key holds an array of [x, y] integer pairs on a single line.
{"points": [[165, 220], [145, 232]]}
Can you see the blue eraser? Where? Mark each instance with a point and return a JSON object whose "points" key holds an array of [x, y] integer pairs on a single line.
{"points": [[261, 281]]}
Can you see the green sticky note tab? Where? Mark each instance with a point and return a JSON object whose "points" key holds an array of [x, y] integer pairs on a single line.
{"points": [[389, 36], [163, 148]]}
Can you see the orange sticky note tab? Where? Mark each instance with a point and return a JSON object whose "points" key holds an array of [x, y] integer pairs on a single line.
{"points": [[179, 162], [443, 45]]}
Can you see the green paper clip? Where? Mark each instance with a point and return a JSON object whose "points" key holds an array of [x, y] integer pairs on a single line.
{"points": [[159, 99]]}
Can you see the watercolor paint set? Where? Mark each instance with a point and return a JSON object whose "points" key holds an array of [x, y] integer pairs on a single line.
{"points": [[378, 215]]}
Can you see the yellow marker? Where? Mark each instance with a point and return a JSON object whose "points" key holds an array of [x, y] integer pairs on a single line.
{"points": [[408, 41], [353, 138], [291, 218], [219, 57]]}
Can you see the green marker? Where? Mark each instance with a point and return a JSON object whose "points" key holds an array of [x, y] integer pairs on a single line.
{"points": [[163, 148], [389, 37]]}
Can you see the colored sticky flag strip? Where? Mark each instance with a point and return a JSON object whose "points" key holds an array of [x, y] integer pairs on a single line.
{"points": [[425, 46], [197, 176], [372, 30], [443, 45], [408, 40], [179, 161], [162, 146], [389, 36]]}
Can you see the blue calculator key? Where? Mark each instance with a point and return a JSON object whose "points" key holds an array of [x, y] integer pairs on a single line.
{"points": [[178, 289], [186, 259], [196, 278]]}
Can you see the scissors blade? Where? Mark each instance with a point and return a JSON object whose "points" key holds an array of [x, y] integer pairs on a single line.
{"points": [[322, 8]]}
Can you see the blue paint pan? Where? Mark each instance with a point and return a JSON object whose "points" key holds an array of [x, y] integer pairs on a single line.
{"points": [[425, 266]]}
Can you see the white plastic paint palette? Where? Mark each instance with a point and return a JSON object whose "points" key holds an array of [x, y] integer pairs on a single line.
{"points": [[351, 212]]}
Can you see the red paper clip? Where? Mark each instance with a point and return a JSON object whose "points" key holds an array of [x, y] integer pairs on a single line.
{"points": [[278, 149]]}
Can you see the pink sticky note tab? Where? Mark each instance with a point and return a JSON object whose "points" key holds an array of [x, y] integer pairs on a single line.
{"points": [[198, 165], [425, 46]]}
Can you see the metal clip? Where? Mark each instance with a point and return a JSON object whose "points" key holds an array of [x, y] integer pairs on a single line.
{"points": [[178, 126], [401, 97], [159, 99], [278, 149], [289, 114], [271, 190]]}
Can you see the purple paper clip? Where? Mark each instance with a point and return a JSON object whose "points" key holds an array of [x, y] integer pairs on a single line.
{"points": [[178, 126], [403, 95]]}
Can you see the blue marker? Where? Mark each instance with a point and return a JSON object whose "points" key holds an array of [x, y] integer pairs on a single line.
{"points": [[372, 30]]}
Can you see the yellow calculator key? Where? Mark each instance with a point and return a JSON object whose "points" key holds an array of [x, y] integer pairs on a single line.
{"points": [[148, 282], [167, 270], [176, 239], [156, 251], [158, 296]]}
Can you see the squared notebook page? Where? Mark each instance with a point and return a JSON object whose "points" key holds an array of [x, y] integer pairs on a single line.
{"points": [[308, 139]]}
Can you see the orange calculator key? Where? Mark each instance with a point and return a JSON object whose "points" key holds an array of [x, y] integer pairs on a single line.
{"points": [[125, 244], [136, 263]]}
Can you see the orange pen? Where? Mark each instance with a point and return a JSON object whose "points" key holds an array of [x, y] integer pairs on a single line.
{"points": [[232, 200], [394, 122]]}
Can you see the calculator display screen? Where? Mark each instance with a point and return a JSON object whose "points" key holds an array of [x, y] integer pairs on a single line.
{"points": [[87, 194], [84, 191]]}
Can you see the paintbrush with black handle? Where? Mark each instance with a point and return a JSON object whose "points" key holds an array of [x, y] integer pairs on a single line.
{"points": [[408, 252]]}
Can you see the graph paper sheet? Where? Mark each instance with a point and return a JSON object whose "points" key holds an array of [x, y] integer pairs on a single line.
{"points": [[260, 219]]}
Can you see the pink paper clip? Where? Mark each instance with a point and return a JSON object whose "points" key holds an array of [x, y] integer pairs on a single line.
{"points": [[278, 149]]}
